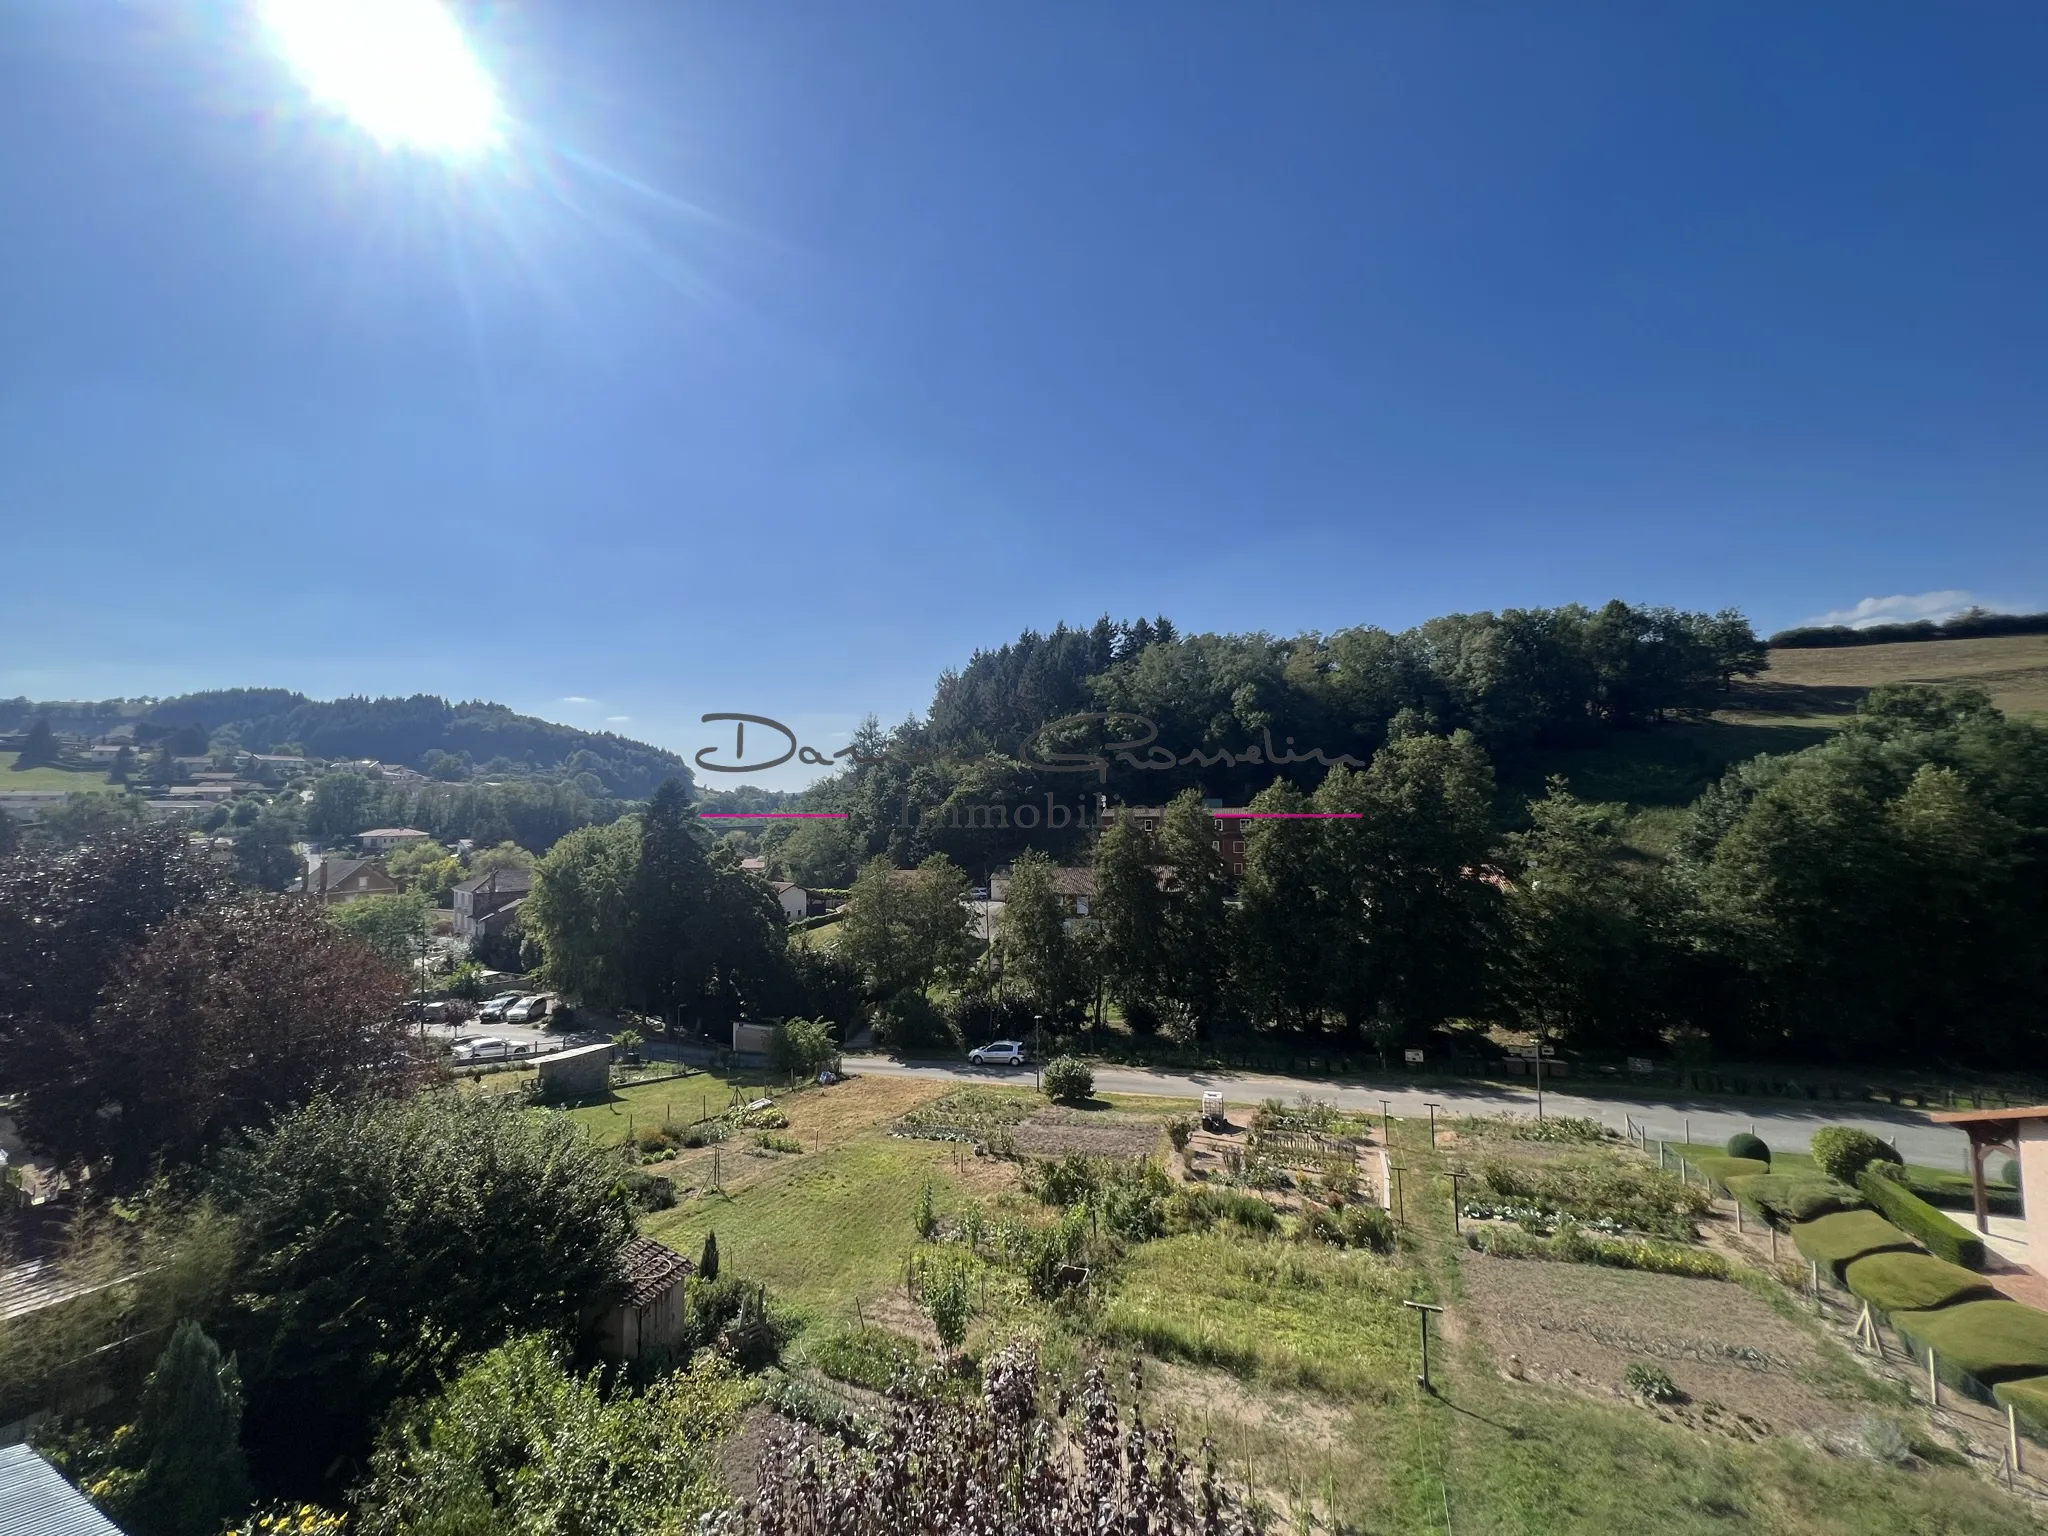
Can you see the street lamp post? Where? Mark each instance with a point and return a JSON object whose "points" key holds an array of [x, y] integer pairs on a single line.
{"points": [[1037, 1049], [1432, 1108]]}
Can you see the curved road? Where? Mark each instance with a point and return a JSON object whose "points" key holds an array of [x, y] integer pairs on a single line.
{"points": [[1918, 1139]]}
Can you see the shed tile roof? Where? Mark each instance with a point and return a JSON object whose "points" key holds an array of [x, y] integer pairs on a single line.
{"points": [[36, 1501], [647, 1269]]}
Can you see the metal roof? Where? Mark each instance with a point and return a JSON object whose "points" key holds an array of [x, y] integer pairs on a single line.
{"points": [[36, 1501]]}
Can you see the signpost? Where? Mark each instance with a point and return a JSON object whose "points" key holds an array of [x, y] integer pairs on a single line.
{"points": [[1413, 1056]]}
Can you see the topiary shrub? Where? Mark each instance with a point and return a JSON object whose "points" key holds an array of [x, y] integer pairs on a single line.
{"points": [[1944, 1239], [1719, 1170], [1912, 1282], [1993, 1341], [1743, 1144], [1843, 1151], [1835, 1240], [1068, 1081], [1788, 1197], [2029, 1395]]}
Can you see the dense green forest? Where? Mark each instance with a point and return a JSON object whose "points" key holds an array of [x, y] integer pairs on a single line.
{"points": [[451, 741], [1135, 712]]}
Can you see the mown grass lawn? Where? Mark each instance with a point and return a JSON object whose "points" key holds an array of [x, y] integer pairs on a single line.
{"points": [[78, 780]]}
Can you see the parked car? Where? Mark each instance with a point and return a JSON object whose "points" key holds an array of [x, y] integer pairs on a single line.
{"points": [[488, 1048], [1000, 1053], [495, 1010]]}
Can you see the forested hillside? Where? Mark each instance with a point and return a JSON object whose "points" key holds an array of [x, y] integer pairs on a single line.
{"points": [[426, 732], [1138, 712]]}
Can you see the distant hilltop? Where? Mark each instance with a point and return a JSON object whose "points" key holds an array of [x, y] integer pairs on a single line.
{"points": [[423, 732]]}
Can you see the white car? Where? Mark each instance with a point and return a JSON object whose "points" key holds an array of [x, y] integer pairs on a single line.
{"points": [[528, 1010], [487, 1048], [1000, 1053]]}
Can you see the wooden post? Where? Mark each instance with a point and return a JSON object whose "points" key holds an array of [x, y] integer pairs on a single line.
{"points": [[1457, 1225], [1933, 1381], [1422, 1311], [1977, 1194], [2012, 1436]]}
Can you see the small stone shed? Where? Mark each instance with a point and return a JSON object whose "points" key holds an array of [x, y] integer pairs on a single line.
{"points": [[578, 1073], [647, 1310]]}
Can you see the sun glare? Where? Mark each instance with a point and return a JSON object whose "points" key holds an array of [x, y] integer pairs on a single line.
{"points": [[399, 69]]}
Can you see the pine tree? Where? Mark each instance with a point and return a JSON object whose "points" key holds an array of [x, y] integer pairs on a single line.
{"points": [[40, 749], [707, 1260], [670, 958], [1130, 918], [187, 1441]]}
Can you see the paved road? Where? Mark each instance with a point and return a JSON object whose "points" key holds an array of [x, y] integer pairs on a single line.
{"points": [[1935, 1146]]}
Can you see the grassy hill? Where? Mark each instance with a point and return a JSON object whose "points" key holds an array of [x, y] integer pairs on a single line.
{"points": [[1818, 685], [1802, 698]]}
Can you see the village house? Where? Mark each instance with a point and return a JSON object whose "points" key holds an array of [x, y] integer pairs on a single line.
{"points": [[478, 900], [334, 881], [1229, 839], [1076, 888], [384, 839], [796, 901]]}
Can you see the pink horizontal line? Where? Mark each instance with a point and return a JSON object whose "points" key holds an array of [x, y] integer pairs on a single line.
{"points": [[707, 815], [1287, 815]]}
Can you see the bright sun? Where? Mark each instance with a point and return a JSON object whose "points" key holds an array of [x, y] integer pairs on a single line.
{"points": [[399, 69]]}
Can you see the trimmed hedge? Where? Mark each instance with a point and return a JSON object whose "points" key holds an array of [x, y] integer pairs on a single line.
{"points": [[1790, 1197], [1952, 1192], [2030, 1396], [1743, 1144], [1835, 1240], [1912, 1282], [1944, 1239], [1994, 1341], [1720, 1170]]}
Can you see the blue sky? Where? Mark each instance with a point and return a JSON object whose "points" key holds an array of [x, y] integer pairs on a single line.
{"points": [[788, 351]]}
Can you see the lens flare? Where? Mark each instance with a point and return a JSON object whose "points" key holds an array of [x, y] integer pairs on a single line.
{"points": [[398, 69]]}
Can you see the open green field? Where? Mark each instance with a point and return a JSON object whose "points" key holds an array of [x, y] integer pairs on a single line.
{"points": [[1802, 699], [1297, 1359], [48, 778], [1814, 684]]}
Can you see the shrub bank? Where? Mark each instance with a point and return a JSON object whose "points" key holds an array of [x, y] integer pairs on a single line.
{"points": [[1943, 1237], [1846, 1235]]}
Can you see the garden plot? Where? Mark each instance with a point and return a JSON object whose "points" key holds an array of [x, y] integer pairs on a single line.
{"points": [[1295, 1155], [1055, 1132], [1746, 1371]]}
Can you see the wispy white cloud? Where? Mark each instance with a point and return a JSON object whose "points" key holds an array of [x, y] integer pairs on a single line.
{"points": [[616, 719], [576, 698], [1902, 608]]}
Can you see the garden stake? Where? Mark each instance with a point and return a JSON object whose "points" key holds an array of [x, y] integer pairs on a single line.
{"points": [[1933, 1381], [1422, 1311], [1457, 1227], [1432, 1108], [2012, 1436]]}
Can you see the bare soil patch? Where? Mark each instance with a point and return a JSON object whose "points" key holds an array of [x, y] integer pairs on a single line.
{"points": [[1054, 1132], [1748, 1372], [739, 1455]]}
